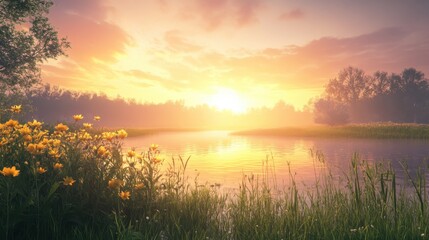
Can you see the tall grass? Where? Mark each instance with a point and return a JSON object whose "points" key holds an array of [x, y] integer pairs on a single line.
{"points": [[128, 195]]}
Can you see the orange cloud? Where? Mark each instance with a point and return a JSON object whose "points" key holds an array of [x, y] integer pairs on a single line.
{"points": [[213, 14], [91, 36], [298, 67], [292, 15]]}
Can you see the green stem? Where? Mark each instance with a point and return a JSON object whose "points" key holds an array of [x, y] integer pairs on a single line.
{"points": [[38, 208], [7, 208]]}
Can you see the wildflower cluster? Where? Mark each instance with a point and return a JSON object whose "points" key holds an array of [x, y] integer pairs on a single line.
{"points": [[74, 159]]}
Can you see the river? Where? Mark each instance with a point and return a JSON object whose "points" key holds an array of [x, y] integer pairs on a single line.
{"points": [[219, 158]]}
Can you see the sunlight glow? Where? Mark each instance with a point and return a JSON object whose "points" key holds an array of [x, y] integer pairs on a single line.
{"points": [[227, 99]]}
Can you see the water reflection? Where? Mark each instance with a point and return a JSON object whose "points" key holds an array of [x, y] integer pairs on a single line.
{"points": [[217, 157]]}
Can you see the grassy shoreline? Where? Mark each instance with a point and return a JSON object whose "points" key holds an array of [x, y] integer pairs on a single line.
{"points": [[375, 130], [73, 184]]}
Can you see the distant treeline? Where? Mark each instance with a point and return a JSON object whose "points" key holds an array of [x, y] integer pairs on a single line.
{"points": [[353, 96], [52, 104]]}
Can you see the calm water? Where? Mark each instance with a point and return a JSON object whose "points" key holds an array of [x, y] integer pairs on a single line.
{"points": [[217, 157]]}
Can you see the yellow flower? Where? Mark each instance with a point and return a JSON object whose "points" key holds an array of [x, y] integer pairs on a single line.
{"points": [[125, 195], [41, 170], [156, 159], [27, 138], [131, 153], [97, 118], [101, 151], [58, 166], [9, 171], [3, 141], [32, 148], [54, 153], [153, 147], [55, 142], [61, 127], [139, 186], [40, 146], [24, 130], [108, 135], [87, 125], [77, 117], [115, 183], [15, 108], [122, 134], [85, 136], [68, 181], [35, 124], [12, 123]]}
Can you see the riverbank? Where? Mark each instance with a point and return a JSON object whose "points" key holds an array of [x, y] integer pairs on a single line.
{"points": [[71, 184], [374, 130]]}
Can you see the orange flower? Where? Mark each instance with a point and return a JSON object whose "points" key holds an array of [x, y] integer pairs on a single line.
{"points": [[68, 181], [27, 138], [40, 146], [87, 125], [131, 153], [11, 123], [97, 118], [115, 183], [41, 170], [125, 195], [10, 171], [77, 117], [61, 127], [58, 166], [32, 148]]}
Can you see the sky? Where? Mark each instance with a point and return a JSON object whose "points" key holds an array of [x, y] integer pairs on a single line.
{"points": [[231, 54]]}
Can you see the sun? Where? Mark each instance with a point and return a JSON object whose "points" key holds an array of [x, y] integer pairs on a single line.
{"points": [[228, 99]]}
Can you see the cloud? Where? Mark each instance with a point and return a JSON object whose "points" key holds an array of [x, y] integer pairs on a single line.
{"points": [[91, 35], [176, 42], [95, 43], [213, 14], [299, 67], [292, 15]]}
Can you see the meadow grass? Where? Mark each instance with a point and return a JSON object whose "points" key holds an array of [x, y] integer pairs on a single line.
{"points": [[64, 184], [372, 130]]}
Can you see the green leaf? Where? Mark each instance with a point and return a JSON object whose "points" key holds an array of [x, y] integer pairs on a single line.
{"points": [[53, 189]]}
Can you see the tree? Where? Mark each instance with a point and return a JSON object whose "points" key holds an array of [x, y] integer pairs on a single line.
{"points": [[360, 98], [411, 91], [26, 40], [350, 86], [330, 112]]}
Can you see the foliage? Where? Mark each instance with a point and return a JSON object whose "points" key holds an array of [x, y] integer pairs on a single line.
{"points": [[381, 97], [52, 104], [330, 112], [26, 40]]}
